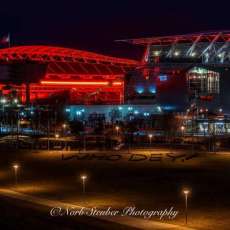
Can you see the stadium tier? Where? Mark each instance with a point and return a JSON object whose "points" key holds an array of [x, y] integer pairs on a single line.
{"points": [[51, 72]]}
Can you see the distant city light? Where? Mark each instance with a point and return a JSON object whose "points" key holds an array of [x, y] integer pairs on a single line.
{"points": [[220, 55], [15, 101], [3, 100], [176, 53], [193, 54], [156, 53], [159, 108]]}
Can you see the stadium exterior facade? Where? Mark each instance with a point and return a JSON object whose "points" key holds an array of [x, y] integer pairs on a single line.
{"points": [[185, 74]]}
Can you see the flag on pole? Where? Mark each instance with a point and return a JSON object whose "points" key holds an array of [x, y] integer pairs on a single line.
{"points": [[5, 40]]}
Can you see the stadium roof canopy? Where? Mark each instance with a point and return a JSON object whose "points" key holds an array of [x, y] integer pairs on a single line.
{"points": [[67, 61], [214, 36], [209, 48]]}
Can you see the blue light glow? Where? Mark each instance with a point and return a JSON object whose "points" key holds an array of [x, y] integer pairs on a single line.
{"points": [[140, 89], [163, 77], [168, 107], [78, 113], [152, 89], [146, 114]]}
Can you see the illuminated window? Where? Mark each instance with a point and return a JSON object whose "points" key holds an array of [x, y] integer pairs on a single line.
{"points": [[163, 77], [202, 81]]}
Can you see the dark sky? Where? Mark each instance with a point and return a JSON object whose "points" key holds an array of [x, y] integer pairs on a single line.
{"points": [[94, 25]]}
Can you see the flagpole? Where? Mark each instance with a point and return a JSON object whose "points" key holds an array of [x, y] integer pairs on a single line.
{"points": [[9, 40]]}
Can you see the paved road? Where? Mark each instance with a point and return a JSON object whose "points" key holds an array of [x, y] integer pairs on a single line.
{"points": [[130, 222]]}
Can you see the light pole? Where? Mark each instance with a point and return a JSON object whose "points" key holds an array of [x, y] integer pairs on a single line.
{"points": [[64, 128], [83, 177], [15, 168], [64, 132], [3, 102], [186, 192], [117, 129], [182, 128], [150, 139]]}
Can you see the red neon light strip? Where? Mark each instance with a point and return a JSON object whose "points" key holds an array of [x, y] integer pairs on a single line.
{"points": [[117, 83], [78, 83]]}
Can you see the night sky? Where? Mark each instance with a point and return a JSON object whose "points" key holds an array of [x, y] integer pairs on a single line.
{"points": [[94, 25]]}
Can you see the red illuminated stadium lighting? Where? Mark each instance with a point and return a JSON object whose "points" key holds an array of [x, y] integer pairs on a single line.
{"points": [[59, 54], [117, 83], [67, 69], [79, 83], [74, 83]]}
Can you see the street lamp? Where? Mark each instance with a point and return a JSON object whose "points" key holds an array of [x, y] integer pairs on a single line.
{"points": [[182, 129], [186, 192], [117, 129], [150, 139], [83, 177], [64, 132], [15, 168], [57, 135]]}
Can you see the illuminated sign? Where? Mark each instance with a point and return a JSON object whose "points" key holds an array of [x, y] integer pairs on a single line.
{"points": [[163, 77]]}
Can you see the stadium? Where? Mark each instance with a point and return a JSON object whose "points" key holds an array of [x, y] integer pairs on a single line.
{"points": [[185, 74], [42, 72]]}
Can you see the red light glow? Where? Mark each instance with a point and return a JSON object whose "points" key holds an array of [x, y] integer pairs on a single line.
{"points": [[78, 83]]}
